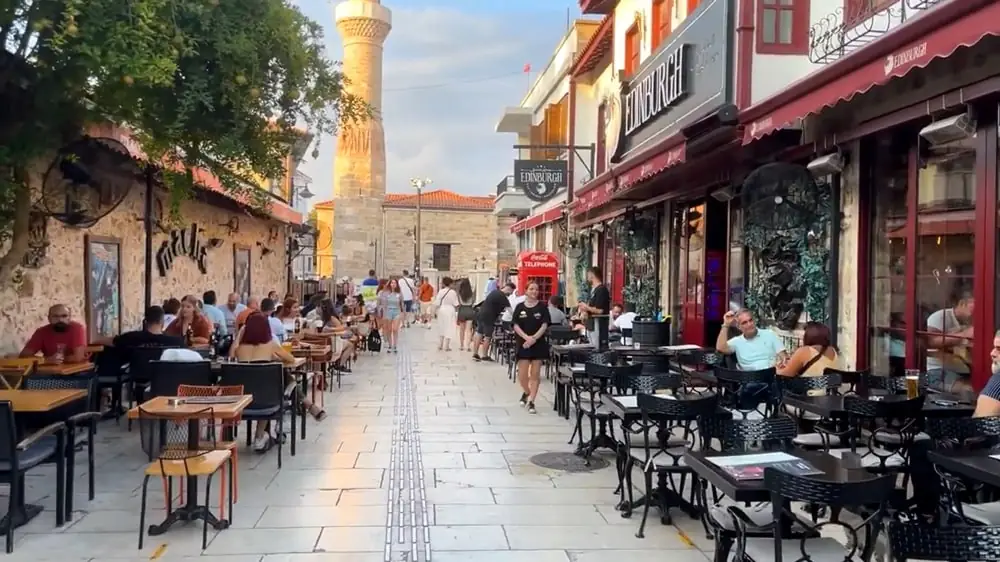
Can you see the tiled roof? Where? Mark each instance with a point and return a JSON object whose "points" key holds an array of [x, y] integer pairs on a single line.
{"points": [[437, 199], [441, 199]]}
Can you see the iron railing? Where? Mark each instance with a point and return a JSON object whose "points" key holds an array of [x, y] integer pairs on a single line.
{"points": [[850, 28]]}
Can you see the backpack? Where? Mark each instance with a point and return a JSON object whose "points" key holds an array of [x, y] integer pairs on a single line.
{"points": [[374, 341]]}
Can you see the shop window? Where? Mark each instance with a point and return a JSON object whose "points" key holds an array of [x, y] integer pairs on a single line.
{"points": [[441, 257], [632, 49], [783, 27], [663, 18], [945, 256], [887, 184]]}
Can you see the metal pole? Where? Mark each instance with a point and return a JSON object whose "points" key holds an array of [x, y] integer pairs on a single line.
{"points": [[416, 249], [147, 223]]}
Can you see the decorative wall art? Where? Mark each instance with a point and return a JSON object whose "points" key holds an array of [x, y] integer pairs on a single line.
{"points": [[241, 272], [102, 286]]}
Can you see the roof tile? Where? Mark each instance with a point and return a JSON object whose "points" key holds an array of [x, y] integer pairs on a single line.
{"points": [[437, 199]]}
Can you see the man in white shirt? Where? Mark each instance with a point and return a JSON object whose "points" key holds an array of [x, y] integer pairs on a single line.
{"points": [[231, 311], [948, 341], [406, 289], [278, 332], [514, 299]]}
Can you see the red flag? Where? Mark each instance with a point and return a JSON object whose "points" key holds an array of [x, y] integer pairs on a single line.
{"points": [[527, 68]]}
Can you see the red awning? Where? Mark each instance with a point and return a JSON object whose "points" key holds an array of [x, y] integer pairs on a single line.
{"points": [[937, 33], [594, 197], [651, 167], [534, 221], [202, 177]]}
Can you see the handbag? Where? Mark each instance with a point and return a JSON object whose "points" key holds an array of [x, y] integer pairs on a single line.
{"points": [[374, 341]]}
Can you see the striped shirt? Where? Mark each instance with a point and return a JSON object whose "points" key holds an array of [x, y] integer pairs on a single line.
{"points": [[992, 388]]}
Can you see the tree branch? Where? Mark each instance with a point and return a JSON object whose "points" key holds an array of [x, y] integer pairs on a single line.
{"points": [[19, 229]]}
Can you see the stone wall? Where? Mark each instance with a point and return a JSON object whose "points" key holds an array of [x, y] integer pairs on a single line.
{"points": [[472, 234], [356, 225], [506, 242], [60, 279], [847, 321]]}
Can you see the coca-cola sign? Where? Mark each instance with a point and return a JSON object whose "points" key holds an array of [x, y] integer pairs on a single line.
{"points": [[538, 260]]}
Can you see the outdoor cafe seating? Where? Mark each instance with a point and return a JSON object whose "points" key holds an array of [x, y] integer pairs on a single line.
{"points": [[766, 469]]}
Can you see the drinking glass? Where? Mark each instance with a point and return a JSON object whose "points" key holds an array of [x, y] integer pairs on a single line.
{"points": [[60, 355], [912, 383]]}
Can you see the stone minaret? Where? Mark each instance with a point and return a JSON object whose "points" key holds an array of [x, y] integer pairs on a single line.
{"points": [[359, 165]]}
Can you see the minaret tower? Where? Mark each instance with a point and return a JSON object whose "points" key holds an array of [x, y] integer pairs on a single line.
{"points": [[359, 165]]}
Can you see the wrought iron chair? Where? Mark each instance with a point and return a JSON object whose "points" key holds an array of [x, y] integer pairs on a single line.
{"points": [[747, 393], [908, 541], [588, 387], [137, 377], [825, 384], [165, 377], [81, 427], [851, 379], [175, 453], [837, 495], [963, 499]]}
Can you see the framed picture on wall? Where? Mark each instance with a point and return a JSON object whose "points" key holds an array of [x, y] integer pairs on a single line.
{"points": [[241, 272], [102, 286]]}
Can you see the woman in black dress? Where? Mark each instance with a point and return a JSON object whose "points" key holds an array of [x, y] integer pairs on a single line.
{"points": [[531, 320]]}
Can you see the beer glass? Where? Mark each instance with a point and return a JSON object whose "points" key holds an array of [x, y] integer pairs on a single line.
{"points": [[912, 383]]}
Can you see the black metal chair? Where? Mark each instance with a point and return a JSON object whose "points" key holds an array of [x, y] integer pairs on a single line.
{"points": [[851, 378], [660, 454], [885, 431], [909, 541], [81, 427], [747, 393], [138, 372], [588, 387], [964, 500], [266, 382], [739, 436], [174, 452], [166, 376], [18, 456], [825, 384], [837, 495]]}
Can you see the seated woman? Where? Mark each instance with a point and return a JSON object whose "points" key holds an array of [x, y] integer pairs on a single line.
{"points": [[345, 348], [816, 354], [191, 324], [254, 342]]}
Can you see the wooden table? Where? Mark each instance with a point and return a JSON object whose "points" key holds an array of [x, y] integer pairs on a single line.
{"points": [[193, 413], [312, 351], [65, 369], [40, 400], [299, 361]]}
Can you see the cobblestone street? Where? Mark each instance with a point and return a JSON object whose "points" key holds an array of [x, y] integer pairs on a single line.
{"points": [[424, 456]]}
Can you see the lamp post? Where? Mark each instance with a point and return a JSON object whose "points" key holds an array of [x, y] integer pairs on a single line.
{"points": [[419, 185], [374, 244]]}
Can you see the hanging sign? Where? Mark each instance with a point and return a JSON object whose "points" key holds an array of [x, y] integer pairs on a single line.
{"points": [[540, 179], [182, 243]]}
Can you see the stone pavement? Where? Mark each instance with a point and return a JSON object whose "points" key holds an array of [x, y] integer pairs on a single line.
{"points": [[424, 456]]}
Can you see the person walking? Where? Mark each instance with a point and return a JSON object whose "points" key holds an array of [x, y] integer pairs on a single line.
{"points": [[530, 321], [447, 314], [466, 314], [489, 312], [426, 295], [407, 290], [391, 311]]}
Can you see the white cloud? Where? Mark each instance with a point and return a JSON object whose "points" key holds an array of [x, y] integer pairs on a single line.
{"points": [[446, 133]]}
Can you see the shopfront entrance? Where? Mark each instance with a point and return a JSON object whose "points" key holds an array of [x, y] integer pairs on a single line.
{"points": [[703, 280]]}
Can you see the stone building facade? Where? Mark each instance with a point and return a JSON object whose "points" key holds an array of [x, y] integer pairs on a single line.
{"points": [[61, 275]]}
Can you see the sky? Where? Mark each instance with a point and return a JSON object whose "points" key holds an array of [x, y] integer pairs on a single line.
{"points": [[450, 69]]}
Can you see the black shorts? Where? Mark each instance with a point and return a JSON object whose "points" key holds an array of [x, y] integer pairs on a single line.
{"points": [[537, 352], [485, 326]]}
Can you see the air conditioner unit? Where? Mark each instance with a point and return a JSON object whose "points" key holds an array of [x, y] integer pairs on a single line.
{"points": [[724, 195], [949, 129], [827, 165]]}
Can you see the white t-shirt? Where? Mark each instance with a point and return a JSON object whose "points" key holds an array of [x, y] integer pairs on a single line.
{"points": [[514, 299], [946, 322], [624, 321], [278, 331], [406, 288]]}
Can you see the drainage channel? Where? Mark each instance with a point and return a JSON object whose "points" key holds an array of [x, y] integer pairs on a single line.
{"points": [[407, 533]]}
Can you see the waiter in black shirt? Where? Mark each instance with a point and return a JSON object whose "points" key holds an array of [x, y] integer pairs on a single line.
{"points": [[599, 305], [489, 311]]}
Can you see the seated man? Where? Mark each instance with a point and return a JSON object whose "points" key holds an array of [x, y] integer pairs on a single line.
{"points": [[60, 340], [988, 403], [755, 348]]}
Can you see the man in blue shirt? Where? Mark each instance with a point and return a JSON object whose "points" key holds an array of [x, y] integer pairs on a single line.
{"points": [[371, 281], [214, 313], [755, 348]]}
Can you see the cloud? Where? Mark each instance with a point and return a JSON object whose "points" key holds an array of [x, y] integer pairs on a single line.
{"points": [[444, 94]]}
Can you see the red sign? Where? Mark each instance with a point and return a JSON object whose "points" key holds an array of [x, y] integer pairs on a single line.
{"points": [[537, 260], [535, 221]]}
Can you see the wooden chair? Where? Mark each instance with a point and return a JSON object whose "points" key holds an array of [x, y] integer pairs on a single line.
{"points": [[167, 440], [230, 445], [17, 368]]}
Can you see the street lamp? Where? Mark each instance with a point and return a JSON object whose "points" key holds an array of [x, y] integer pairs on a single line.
{"points": [[419, 185]]}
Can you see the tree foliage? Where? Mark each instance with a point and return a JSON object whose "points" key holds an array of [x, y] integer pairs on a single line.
{"points": [[214, 84]]}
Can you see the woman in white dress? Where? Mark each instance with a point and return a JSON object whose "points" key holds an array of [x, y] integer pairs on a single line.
{"points": [[447, 314]]}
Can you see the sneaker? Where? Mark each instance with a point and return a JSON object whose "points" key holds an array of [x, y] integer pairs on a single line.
{"points": [[476, 357], [262, 443], [531, 408], [487, 358], [524, 398]]}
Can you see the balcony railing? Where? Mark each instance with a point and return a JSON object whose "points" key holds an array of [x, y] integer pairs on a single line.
{"points": [[859, 23], [505, 184]]}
